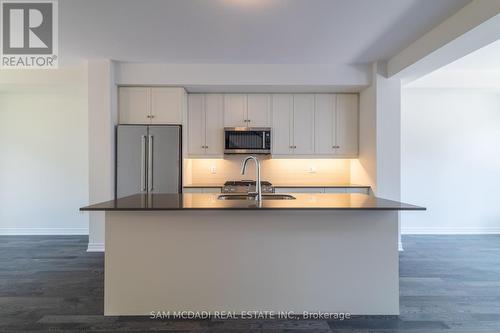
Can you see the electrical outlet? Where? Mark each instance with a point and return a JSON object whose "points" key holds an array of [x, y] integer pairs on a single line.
{"points": [[213, 170], [312, 169]]}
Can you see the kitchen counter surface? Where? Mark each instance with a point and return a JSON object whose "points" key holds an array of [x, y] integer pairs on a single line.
{"points": [[284, 185], [203, 185], [321, 185], [201, 201]]}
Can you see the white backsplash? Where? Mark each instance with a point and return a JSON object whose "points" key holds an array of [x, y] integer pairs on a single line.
{"points": [[277, 171]]}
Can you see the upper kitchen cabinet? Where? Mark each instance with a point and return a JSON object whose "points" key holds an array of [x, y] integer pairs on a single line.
{"points": [[346, 144], [235, 110], [196, 124], [151, 105], [258, 110], [293, 124], [282, 124], [336, 125], [134, 105], [214, 122], [247, 110], [205, 125], [325, 124], [167, 104], [303, 124]]}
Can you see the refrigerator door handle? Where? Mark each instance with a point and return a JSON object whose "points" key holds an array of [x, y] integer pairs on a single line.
{"points": [[150, 162], [143, 163]]}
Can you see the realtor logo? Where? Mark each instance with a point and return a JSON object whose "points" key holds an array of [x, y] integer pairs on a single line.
{"points": [[29, 34]]}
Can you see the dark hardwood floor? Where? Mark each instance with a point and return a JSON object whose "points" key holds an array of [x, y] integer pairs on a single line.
{"points": [[448, 284]]}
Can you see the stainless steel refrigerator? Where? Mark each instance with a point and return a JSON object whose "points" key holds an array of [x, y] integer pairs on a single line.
{"points": [[148, 159]]}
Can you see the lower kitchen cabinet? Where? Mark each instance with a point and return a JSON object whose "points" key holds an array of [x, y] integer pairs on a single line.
{"points": [[299, 190], [201, 189], [363, 190], [337, 190]]}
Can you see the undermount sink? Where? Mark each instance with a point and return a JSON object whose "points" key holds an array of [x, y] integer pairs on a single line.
{"points": [[251, 197]]}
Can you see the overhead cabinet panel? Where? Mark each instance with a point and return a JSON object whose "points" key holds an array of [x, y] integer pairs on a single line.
{"points": [[282, 124], [258, 110], [196, 124], [214, 131], [205, 125], [303, 124], [134, 105], [166, 105], [316, 125], [325, 124], [151, 105], [235, 110], [347, 125]]}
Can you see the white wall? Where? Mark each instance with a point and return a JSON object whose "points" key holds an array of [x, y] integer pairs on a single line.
{"points": [[364, 169], [43, 159], [451, 160], [379, 163], [102, 117], [247, 77], [379, 136]]}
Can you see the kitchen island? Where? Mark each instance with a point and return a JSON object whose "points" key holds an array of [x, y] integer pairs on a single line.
{"points": [[196, 252]]}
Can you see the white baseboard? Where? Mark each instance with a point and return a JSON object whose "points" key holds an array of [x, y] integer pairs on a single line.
{"points": [[450, 230], [95, 247], [43, 231]]}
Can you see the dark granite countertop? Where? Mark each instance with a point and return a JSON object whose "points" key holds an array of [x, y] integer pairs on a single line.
{"points": [[203, 185], [206, 201], [321, 185], [284, 185]]}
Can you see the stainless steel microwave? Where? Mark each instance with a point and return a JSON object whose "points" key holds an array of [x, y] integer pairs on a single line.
{"points": [[247, 140]]}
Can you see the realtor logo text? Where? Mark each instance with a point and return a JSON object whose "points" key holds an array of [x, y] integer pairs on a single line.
{"points": [[29, 34]]}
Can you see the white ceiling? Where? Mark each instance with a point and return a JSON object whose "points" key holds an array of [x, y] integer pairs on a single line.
{"points": [[480, 70], [245, 31]]}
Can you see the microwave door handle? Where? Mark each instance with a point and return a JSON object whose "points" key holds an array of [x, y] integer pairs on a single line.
{"points": [[263, 140]]}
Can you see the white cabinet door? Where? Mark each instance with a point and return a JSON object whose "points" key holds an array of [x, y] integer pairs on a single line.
{"points": [[299, 190], [303, 124], [324, 128], [133, 105], [214, 124], [363, 190], [259, 110], [235, 110], [192, 190], [211, 190], [282, 121], [335, 189], [196, 124], [167, 105], [347, 125]]}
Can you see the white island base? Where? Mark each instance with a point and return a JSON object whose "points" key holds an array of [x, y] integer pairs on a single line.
{"points": [[244, 260]]}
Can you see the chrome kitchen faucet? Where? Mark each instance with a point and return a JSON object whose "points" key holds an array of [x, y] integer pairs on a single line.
{"points": [[258, 190]]}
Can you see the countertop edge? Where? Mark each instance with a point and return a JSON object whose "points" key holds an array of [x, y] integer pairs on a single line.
{"points": [[285, 186], [85, 209]]}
